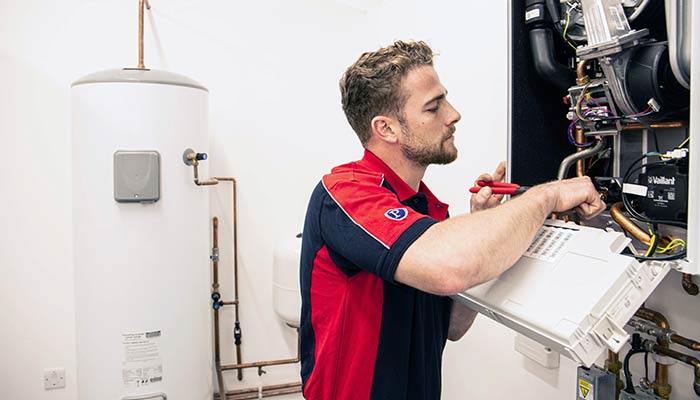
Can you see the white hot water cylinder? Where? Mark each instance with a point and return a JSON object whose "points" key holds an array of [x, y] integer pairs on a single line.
{"points": [[141, 237]]}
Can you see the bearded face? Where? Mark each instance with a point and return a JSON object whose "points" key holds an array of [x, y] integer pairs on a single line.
{"points": [[425, 148]]}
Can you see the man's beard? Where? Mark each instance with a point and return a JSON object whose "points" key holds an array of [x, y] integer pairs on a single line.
{"points": [[424, 155]]}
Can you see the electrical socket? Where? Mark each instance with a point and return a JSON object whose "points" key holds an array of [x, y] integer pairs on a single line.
{"points": [[54, 378]]}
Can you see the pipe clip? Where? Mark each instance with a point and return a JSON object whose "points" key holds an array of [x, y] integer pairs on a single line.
{"points": [[214, 254]]}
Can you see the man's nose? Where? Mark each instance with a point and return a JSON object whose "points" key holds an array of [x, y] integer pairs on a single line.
{"points": [[455, 116]]}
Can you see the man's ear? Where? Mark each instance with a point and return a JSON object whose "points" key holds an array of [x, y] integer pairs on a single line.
{"points": [[385, 128]]}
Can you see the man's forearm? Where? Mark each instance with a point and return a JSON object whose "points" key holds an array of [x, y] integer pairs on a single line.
{"points": [[466, 250]]}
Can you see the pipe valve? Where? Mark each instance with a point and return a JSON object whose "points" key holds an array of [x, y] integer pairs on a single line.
{"points": [[237, 333], [190, 157]]}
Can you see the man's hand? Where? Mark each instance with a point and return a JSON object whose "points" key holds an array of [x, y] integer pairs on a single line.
{"points": [[484, 199], [576, 193]]}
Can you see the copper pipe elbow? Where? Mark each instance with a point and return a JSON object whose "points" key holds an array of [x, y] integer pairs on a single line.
{"points": [[628, 225], [581, 76]]}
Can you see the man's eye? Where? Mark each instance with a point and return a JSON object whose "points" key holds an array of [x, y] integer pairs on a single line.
{"points": [[434, 109]]}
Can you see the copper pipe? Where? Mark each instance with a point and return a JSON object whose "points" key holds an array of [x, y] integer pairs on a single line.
{"points": [[688, 285], [229, 303], [658, 125], [613, 364], [264, 388], [141, 4], [692, 361], [215, 288], [206, 182], [661, 386], [581, 76], [684, 341], [653, 316], [266, 394], [235, 237], [578, 136], [191, 156], [628, 225], [261, 364], [234, 184], [267, 391], [215, 254]]}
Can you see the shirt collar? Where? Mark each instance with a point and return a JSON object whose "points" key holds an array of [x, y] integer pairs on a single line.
{"points": [[403, 191]]}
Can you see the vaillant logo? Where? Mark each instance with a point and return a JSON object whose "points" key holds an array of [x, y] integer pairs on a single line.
{"points": [[662, 180], [397, 214]]}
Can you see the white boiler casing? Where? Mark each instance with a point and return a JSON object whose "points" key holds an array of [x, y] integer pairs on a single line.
{"points": [[143, 311]]}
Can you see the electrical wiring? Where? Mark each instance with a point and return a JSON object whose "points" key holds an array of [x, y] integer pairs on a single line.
{"points": [[652, 247], [572, 140], [684, 143], [650, 129], [566, 27], [629, 386], [674, 244], [602, 113], [628, 204]]}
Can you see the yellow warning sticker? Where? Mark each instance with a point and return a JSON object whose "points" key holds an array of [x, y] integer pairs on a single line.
{"points": [[585, 390]]}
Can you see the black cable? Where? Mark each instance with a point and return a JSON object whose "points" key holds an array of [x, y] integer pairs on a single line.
{"points": [[629, 386], [646, 366], [637, 347], [627, 202], [630, 209], [670, 257], [653, 132]]}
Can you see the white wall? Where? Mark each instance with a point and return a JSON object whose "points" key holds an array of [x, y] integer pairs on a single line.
{"points": [[272, 68]]}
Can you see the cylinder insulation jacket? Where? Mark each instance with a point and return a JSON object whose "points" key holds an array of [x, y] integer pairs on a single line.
{"points": [[143, 317]]}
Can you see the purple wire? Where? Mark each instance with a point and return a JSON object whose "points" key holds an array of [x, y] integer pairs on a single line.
{"points": [[570, 134]]}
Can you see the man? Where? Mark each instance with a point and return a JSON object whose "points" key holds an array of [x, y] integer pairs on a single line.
{"points": [[379, 255]]}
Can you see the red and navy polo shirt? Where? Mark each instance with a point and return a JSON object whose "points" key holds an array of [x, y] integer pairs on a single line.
{"points": [[364, 335]]}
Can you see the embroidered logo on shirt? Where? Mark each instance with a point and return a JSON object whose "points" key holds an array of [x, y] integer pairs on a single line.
{"points": [[397, 214]]}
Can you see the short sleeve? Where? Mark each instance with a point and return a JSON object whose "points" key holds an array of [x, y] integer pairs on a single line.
{"points": [[366, 224]]}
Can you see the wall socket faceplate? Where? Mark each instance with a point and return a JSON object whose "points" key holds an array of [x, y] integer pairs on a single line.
{"points": [[54, 378]]}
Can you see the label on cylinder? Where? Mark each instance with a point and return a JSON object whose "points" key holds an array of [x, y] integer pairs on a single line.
{"points": [[141, 361]]}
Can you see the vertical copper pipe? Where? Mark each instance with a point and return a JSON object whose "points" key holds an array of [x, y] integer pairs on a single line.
{"points": [[141, 66], [578, 136], [692, 361], [661, 386], [215, 288], [614, 365], [239, 358], [581, 79]]}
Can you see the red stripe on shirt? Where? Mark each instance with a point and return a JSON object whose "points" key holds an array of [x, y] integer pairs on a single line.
{"points": [[336, 300], [357, 195]]}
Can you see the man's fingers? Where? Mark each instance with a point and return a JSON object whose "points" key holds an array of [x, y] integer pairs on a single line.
{"points": [[483, 177], [479, 200], [483, 195], [500, 173]]}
